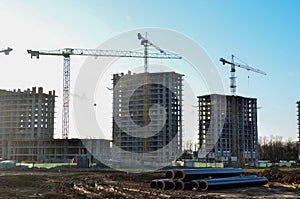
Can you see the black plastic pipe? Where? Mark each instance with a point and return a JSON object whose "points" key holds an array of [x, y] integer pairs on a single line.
{"points": [[231, 182], [192, 174]]}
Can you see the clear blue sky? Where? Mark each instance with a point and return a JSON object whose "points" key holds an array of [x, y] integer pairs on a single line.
{"points": [[265, 34]]}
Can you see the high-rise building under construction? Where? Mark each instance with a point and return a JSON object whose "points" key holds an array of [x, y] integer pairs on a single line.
{"points": [[27, 130], [147, 116], [25, 116], [228, 128]]}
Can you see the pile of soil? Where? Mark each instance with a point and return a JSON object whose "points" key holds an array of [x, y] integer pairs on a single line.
{"points": [[277, 175]]}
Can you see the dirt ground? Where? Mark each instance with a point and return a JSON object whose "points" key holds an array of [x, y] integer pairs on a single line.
{"points": [[96, 183]]}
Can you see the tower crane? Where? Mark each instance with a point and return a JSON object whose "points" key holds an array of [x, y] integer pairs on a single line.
{"points": [[232, 71], [6, 51], [66, 53], [233, 64], [146, 43]]}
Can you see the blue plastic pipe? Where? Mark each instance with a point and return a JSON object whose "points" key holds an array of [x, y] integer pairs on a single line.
{"points": [[153, 183], [192, 174], [171, 173], [230, 182], [165, 184], [181, 185]]}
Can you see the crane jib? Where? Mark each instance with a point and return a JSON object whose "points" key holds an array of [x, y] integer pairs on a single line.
{"points": [[67, 52], [102, 53]]}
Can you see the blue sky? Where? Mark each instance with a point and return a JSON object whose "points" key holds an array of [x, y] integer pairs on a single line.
{"points": [[264, 34]]}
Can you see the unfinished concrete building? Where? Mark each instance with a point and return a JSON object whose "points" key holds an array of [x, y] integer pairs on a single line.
{"points": [[147, 117], [27, 130], [26, 120], [228, 128]]}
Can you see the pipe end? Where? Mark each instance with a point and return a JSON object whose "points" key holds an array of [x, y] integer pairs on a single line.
{"points": [[170, 174], [194, 184], [203, 185], [180, 174], [153, 184]]}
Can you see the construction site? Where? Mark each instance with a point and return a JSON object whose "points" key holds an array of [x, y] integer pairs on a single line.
{"points": [[147, 130]]}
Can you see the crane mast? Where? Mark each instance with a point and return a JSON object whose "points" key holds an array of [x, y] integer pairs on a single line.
{"points": [[66, 97], [147, 43], [66, 53]]}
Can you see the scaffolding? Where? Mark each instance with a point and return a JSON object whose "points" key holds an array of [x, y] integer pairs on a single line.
{"points": [[228, 128], [147, 118]]}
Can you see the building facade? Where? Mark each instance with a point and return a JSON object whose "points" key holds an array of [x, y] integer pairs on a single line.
{"points": [[27, 130], [26, 120], [147, 117], [228, 128]]}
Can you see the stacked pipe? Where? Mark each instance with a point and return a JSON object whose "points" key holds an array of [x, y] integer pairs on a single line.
{"points": [[204, 179]]}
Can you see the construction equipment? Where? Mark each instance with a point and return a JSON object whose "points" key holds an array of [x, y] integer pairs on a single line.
{"points": [[233, 86], [6, 51], [67, 52], [232, 71], [147, 43]]}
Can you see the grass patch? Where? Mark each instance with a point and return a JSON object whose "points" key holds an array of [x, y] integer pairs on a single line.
{"points": [[45, 165]]}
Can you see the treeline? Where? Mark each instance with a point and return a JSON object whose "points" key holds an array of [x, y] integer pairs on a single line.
{"points": [[275, 149]]}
